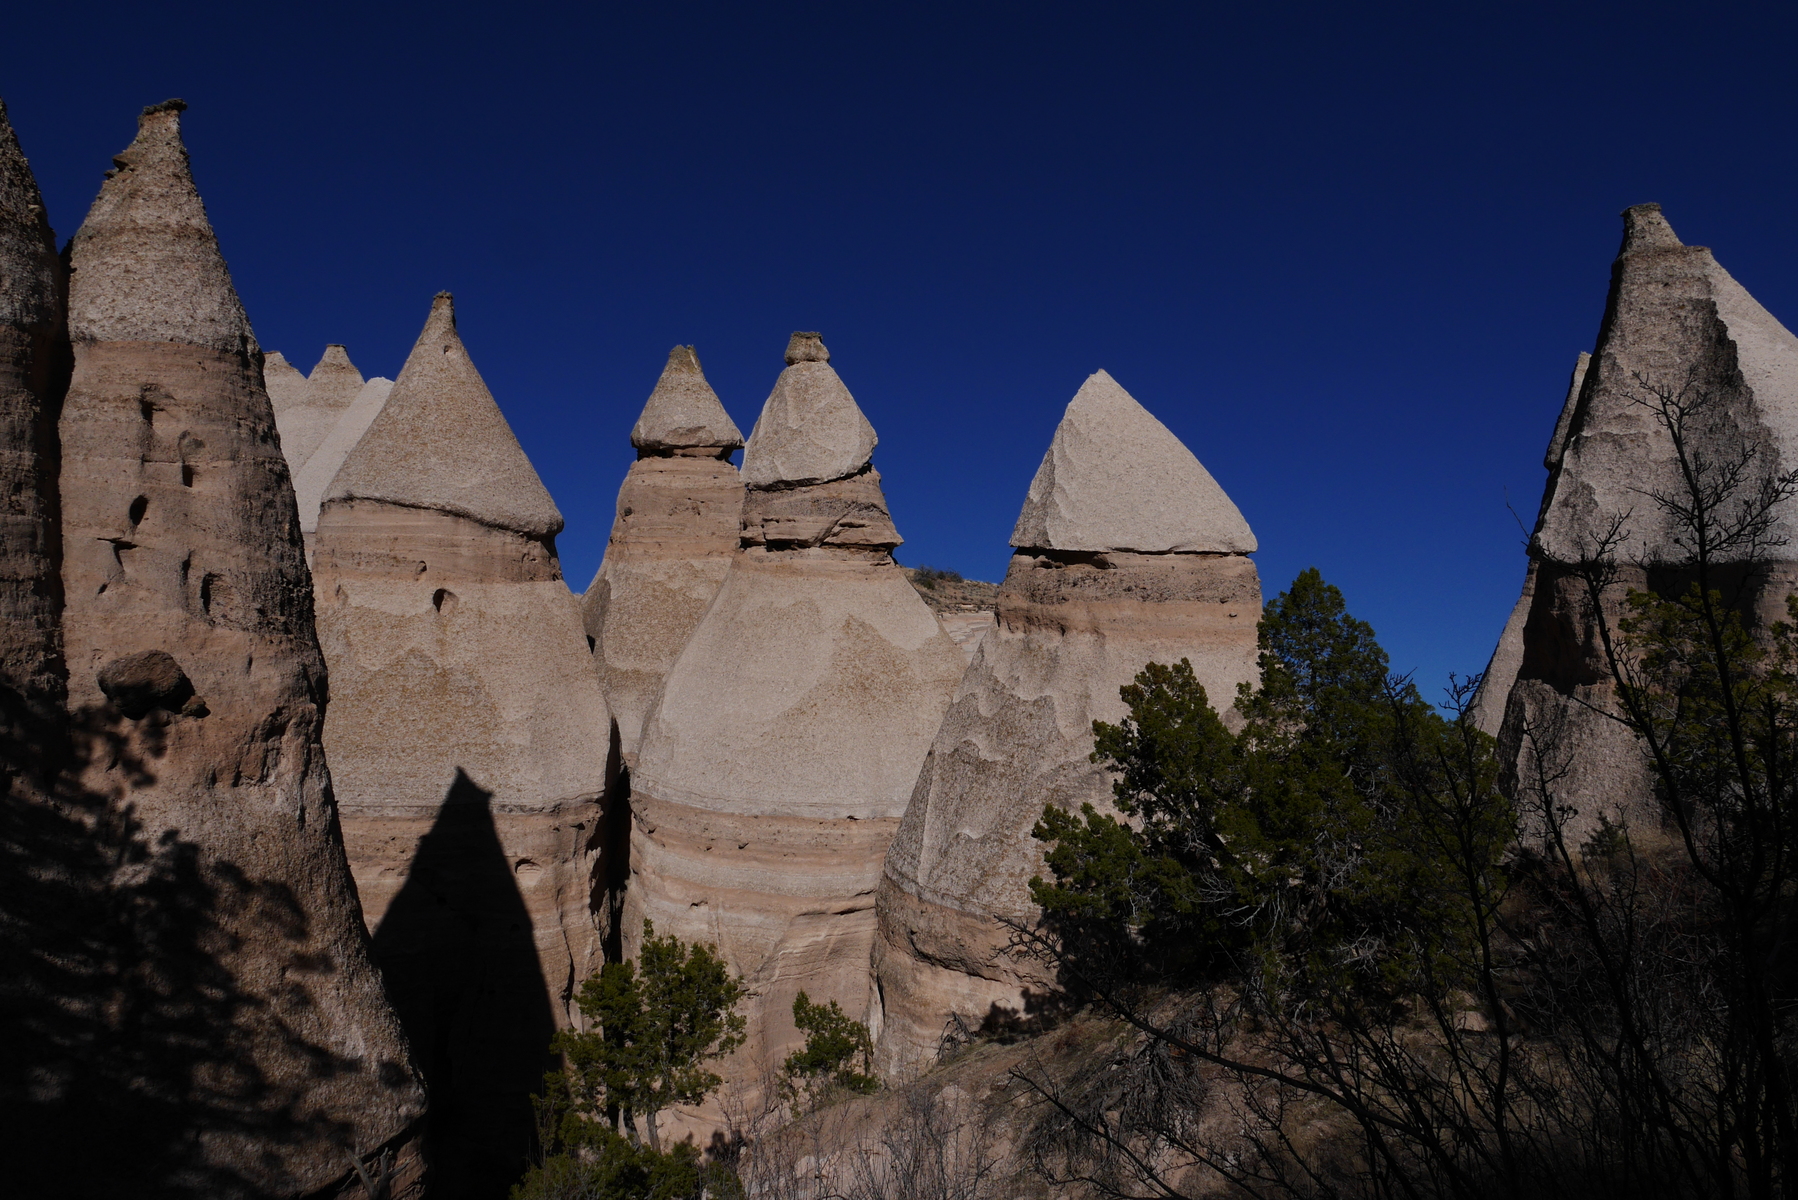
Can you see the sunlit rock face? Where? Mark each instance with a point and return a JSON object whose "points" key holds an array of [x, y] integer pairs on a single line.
{"points": [[321, 418], [775, 766], [468, 739], [264, 1051], [1676, 328], [1127, 552], [679, 513]]}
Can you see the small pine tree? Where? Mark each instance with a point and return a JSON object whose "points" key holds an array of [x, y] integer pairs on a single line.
{"points": [[838, 1054]]}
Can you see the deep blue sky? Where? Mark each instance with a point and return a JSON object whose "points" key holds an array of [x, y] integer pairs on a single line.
{"points": [[1347, 252]]}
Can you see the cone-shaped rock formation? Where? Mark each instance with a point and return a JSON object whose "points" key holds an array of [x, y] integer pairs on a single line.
{"points": [[1115, 479], [679, 513], [286, 387], [467, 738], [454, 454], [311, 413], [780, 755], [311, 481], [259, 1021], [1678, 332], [1077, 620]]}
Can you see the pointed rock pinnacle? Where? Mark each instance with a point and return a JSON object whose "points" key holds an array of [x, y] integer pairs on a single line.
{"points": [[28, 268], [683, 411], [1644, 228], [146, 263], [1115, 478], [334, 381], [811, 430], [286, 386], [441, 443]]}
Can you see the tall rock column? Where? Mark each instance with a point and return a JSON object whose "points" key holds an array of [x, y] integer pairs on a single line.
{"points": [[679, 512], [254, 1014], [33, 378], [1127, 552], [1675, 325], [467, 736], [776, 764]]}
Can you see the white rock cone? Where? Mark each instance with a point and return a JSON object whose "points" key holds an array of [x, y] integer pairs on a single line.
{"points": [[1127, 552], [468, 733], [1677, 323], [776, 764]]}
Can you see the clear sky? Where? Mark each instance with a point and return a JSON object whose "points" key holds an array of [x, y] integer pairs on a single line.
{"points": [[1347, 252]]}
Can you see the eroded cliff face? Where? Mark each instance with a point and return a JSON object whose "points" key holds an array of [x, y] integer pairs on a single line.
{"points": [[776, 763], [1077, 619], [678, 518], [1676, 329], [468, 736], [196, 684]]}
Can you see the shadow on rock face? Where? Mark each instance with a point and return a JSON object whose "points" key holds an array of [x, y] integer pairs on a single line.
{"points": [[461, 965], [125, 1047]]}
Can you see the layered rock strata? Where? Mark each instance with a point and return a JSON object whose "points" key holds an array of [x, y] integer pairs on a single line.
{"points": [[1127, 552], [778, 760], [1677, 331], [261, 1044], [467, 737], [679, 513]]}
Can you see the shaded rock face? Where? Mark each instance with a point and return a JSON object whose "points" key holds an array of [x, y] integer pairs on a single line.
{"points": [[33, 378], [1488, 710], [782, 750], [1676, 326], [468, 738], [250, 1047], [679, 514], [1073, 627]]}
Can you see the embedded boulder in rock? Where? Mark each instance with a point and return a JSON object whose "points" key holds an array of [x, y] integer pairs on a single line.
{"points": [[1074, 625], [781, 752], [468, 742], [1678, 332], [678, 518], [265, 1059]]}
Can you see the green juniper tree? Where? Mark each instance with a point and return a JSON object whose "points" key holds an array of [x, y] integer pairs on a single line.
{"points": [[653, 1025], [838, 1056]]}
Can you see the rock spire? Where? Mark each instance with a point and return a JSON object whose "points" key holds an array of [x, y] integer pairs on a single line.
{"points": [[790, 729], [1134, 570], [1115, 479], [311, 481], [1677, 328], [189, 639], [679, 514], [468, 740], [683, 412], [306, 415], [441, 444], [33, 377]]}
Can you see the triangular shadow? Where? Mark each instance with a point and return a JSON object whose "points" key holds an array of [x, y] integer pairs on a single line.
{"points": [[460, 959]]}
